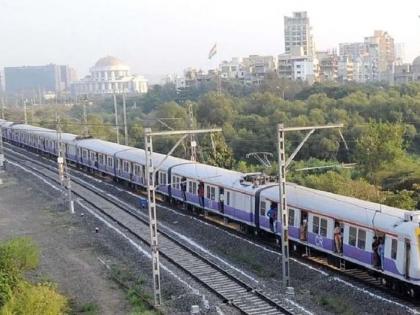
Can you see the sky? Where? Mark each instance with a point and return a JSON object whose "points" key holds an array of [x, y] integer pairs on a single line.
{"points": [[158, 37]]}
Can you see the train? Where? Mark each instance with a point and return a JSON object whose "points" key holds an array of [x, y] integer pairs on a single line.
{"points": [[246, 199]]}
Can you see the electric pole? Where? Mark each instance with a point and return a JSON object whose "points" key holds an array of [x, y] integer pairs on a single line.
{"points": [[283, 209], [85, 126], [24, 112], [125, 121], [193, 143], [116, 119], [2, 107], [1, 151], [63, 172], [151, 196]]}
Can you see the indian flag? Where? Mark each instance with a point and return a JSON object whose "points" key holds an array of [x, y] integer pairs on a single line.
{"points": [[213, 51]]}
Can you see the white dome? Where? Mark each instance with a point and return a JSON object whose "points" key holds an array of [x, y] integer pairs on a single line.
{"points": [[416, 61], [109, 61]]}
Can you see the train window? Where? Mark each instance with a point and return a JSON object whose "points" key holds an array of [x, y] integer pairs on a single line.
{"points": [[194, 185], [227, 198], [212, 193], [162, 178], [323, 227], [126, 167], [263, 207], [361, 239], [92, 156], [352, 236], [291, 217], [394, 248], [190, 189], [173, 181], [109, 161], [208, 192], [315, 225], [101, 159], [84, 154]]}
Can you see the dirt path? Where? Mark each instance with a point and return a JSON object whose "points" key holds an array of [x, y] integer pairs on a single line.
{"points": [[69, 252]]}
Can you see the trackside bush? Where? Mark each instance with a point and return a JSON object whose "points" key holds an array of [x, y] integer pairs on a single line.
{"points": [[17, 296]]}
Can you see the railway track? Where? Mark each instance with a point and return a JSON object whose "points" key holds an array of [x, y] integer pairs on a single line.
{"points": [[227, 286], [357, 275]]}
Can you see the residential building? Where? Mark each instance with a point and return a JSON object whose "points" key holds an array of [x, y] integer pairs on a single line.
{"points": [[298, 33], [30, 79], [233, 69], [403, 74], [297, 66], [386, 52], [108, 76], [345, 69], [328, 65]]}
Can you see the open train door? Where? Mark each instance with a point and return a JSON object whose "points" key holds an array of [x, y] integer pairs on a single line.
{"points": [[407, 258]]}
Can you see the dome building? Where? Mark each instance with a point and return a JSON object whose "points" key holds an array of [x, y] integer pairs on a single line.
{"points": [[110, 75]]}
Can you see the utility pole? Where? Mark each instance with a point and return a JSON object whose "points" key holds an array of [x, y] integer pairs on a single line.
{"points": [[1, 152], [85, 126], [24, 112], [283, 208], [63, 172], [125, 121], [2, 107], [151, 196], [116, 119], [193, 143], [32, 110]]}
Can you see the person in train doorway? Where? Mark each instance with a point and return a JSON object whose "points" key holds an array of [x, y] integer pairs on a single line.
{"points": [[337, 237], [381, 252], [375, 247], [184, 188], [272, 215], [303, 230], [200, 193], [221, 200]]}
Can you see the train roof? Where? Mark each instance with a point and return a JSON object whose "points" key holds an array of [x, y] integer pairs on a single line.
{"points": [[44, 132], [365, 213], [217, 176], [5, 123], [138, 156], [102, 146]]}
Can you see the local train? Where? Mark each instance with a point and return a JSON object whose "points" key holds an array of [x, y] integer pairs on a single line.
{"points": [[246, 199]]}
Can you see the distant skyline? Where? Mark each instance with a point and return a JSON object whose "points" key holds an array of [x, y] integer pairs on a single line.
{"points": [[162, 37]]}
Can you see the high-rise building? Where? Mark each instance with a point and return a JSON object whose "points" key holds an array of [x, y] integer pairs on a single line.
{"points": [[386, 51], [352, 50], [298, 33], [32, 79]]}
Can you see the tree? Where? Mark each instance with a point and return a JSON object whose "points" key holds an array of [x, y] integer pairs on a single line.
{"points": [[379, 143]]}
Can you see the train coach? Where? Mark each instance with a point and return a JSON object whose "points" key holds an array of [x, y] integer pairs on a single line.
{"points": [[314, 216]]}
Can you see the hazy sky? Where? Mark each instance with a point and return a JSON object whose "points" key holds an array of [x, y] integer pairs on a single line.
{"points": [[166, 36]]}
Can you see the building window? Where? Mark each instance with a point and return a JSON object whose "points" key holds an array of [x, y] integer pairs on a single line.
{"points": [[352, 236], [394, 248], [263, 208]]}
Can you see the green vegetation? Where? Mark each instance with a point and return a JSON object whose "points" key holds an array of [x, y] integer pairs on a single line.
{"points": [[382, 130], [17, 296], [140, 300], [336, 305]]}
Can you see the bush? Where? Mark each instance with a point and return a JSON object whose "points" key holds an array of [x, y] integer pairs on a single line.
{"points": [[35, 299]]}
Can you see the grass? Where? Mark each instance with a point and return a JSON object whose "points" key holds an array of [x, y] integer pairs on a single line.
{"points": [[139, 300], [250, 261], [336, 305], [89, 309]]}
